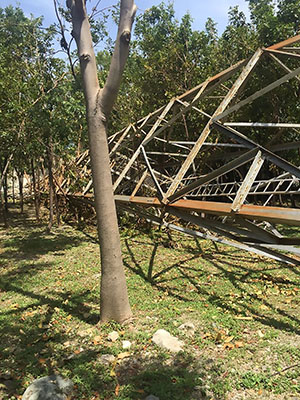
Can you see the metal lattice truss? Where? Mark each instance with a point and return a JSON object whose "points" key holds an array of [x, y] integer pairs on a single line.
{"points": [[191, 167]]}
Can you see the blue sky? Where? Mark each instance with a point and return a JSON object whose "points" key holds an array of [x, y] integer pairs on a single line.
{"points": [[199, 9]]}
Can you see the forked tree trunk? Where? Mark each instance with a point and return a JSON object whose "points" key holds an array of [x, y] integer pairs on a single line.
{"points": [[114, 304]]}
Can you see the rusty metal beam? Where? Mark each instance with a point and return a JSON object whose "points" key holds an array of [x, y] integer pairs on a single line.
{"points": [[287, 42], [280, 215], [262, 124], [152, 173], [283, 66], [256, 249], [147, 173]]}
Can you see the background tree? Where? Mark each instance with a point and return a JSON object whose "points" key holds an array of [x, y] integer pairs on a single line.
{"points": [[21, 43]]}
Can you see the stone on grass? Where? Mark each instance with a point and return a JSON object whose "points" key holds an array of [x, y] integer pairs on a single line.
{"points": [[165, 340], [126, 344], [188, 328], [107, 359], [113, 336], [53, 387], [151, 397]]}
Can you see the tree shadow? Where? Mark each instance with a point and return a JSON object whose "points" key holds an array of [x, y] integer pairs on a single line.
{"points": [[232, 269], [27, 331], [148, 276], [175, 377], [29, 334], [32, 245], [34, 347], [26, 348]]}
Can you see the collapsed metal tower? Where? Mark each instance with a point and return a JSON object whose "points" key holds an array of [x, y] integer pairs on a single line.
{"points": [[214, 186]]}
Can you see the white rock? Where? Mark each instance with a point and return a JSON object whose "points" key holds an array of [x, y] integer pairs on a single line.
{"points": [[188, 328], [126, 344], [113, 336], [165, 340], [151, 397], [107, 359], [52, 387]]}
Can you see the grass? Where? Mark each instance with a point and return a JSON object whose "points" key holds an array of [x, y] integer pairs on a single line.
{"points": [[245, 309]]}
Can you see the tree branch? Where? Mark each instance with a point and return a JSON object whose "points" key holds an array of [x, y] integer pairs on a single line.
{"points": [[119, 58], [63, 42], [82, 35]]}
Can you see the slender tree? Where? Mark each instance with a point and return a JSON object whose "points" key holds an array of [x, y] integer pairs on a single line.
{"points": [[114, 302]]}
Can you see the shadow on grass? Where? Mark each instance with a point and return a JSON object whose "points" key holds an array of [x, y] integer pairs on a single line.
{"points": [[31, 345], [34, 347], [148, 276], [26, 239], [26, 351], [34, 244], [233, 268], [181, 376], [137, 377], [27, 330]]}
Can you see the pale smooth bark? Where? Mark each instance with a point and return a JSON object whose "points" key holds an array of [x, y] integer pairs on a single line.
{"points": [[114, 303]]}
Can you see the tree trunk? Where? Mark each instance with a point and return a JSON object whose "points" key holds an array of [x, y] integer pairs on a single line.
{"points": [[35, 193], [57, 213], [5, 168], [5, 192], [51, 183], [3, 212], [20, 175], [38, 186], [13, 188], [114, 302]]}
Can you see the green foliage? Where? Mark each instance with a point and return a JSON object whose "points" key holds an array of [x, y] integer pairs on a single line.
{"points": [[167, 57], [275, 20], [39, 98]]}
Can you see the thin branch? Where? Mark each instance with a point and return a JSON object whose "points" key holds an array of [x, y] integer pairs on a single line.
{"points": [[285, 369], [48, 91], [100, 11], [64, 43], [94, 9]]}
